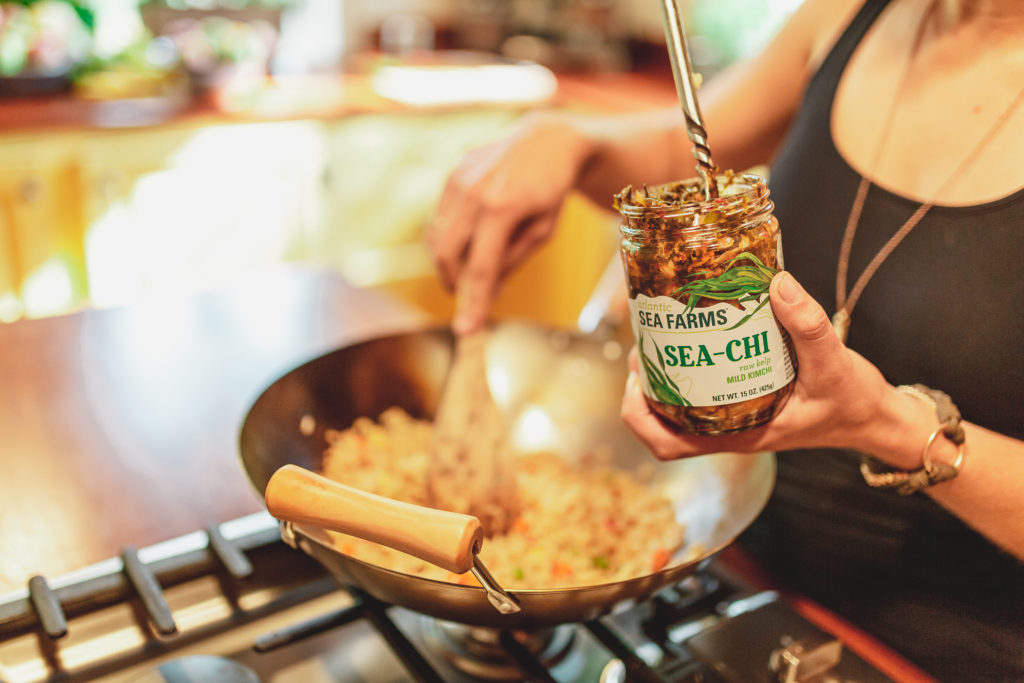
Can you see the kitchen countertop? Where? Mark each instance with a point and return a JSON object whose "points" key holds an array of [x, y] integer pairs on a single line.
{"points": [[119, 426]]}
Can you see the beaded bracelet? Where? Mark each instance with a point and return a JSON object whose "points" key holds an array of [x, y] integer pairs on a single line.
{"points": [[931, 473]]}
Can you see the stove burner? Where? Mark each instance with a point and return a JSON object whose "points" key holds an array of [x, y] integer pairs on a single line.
{"points": [[614, 672], [199, 669], [488, 654]]}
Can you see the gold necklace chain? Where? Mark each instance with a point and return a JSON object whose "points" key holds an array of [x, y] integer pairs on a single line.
{"points": [[845, 302]]}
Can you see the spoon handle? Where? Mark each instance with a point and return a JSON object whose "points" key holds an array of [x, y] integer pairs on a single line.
{"points": [[682, 70]]}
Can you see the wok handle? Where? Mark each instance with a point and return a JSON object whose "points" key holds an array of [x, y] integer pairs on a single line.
{"points": [[446, 539]]}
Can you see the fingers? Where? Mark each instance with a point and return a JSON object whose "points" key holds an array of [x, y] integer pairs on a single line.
{"points": [[489, 259], [526, 240], [664, 442], [501, 201], [489, 251], [638, 417], [474, 235], [451, 229], [824, 364], [661, 441], [474, 259], [815, 342], [633, 360], [478, 281]]}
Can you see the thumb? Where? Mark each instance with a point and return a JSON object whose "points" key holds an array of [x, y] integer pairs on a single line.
{"points": [[814, 340]]}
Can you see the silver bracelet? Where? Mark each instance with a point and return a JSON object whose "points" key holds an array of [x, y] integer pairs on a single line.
{"points": [[930, 473]]}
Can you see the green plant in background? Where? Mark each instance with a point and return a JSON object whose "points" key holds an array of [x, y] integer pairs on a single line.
{"points": [[43, 36], [740, 283], [219, 39], [213, 5], [736, 28], [82, 9], [664, 387]]}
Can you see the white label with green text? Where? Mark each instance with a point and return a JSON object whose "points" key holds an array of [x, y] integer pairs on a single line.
{"points": [[709, 356]]}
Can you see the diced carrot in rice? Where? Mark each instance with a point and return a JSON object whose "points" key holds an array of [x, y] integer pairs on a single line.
{"points": [[659, 559]]}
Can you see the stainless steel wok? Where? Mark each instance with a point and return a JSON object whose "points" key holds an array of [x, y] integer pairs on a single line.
{"points": [[559, 390]]}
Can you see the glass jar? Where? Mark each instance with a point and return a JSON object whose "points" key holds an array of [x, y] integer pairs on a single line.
{"points": [[713, 360]]}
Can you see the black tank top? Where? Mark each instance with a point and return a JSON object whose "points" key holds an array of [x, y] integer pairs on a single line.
{"points": [[943, 310]]}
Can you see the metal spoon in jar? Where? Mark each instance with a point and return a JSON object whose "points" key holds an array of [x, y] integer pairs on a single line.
{"points": [[682, 70]]}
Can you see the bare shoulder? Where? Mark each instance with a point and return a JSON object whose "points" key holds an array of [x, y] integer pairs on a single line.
{"points": [[820, 23]]}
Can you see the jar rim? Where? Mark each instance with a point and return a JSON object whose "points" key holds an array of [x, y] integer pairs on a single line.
{"points": [[745, 191]]}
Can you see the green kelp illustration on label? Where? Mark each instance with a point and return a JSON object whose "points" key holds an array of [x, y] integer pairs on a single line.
{"points": [[664, 387], [740, 283], [731, 350]]}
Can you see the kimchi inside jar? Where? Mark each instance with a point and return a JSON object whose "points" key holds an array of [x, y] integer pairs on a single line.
{"points": [[713, 360]]}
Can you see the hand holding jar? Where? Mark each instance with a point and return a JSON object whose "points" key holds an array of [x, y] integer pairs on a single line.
{"points": [[720, 331], [712, 358], [838, 400]]}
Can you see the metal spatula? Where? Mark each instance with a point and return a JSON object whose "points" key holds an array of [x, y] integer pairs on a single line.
{"points": [[472, 469]]}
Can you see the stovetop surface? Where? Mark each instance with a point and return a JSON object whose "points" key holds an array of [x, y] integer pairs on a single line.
{"points": [[246, 607]]}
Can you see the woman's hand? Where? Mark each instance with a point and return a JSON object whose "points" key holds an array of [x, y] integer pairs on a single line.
{"points": [[499, 204], [840, 399]]}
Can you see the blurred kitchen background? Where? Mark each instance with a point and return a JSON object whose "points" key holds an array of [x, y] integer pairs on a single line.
{"points": [[161, 146]]}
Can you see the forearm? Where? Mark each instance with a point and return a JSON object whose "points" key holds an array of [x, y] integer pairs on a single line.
{"points": [[746, 108], [615, 151], [653, 148], [989, 489]]}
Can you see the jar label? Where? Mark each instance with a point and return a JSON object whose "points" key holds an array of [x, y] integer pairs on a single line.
{"points": [[709, 356]]}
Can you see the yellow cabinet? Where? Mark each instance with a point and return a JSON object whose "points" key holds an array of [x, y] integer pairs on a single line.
{"points": [[42, 269], [105, 217], [10, 280]]}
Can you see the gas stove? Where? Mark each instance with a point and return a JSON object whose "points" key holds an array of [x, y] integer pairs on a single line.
{"points": [[234, 603]]}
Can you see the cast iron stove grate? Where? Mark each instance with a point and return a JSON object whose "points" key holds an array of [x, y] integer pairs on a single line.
{"points": [[235, 598]]}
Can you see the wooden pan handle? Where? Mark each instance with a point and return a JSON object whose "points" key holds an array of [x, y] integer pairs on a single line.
{"points": [[446, 539]]}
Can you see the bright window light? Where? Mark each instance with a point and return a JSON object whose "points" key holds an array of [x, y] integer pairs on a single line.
{"points": [[48, 290]]}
